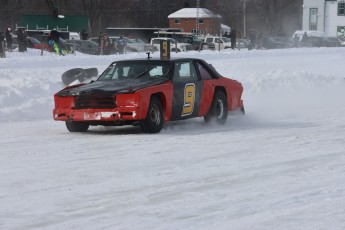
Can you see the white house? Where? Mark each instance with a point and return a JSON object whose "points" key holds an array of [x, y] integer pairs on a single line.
{"points": [[324, 15]]}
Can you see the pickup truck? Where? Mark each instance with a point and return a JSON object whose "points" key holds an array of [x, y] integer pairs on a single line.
{"points": [[174, 45], [222, 43]]}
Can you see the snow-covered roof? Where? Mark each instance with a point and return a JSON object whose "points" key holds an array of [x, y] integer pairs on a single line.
{"points": [[225, 28], [191, 13]]}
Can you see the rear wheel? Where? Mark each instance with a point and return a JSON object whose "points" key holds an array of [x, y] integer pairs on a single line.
{"points": [[219, 109], [74, 126], [153, 122]]}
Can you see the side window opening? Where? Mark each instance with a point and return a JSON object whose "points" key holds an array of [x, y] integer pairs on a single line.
{"points": [[208, 39], [204, 74], [185, 72]]}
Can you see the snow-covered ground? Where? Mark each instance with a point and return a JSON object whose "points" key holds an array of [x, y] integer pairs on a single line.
{"points": [[281, 166]]}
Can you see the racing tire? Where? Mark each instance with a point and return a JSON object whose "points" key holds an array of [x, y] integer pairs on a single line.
{"points": [[218, 112], [153, 122], [74, 126]]}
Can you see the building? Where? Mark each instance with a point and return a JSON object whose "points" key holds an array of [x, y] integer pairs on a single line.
{"points": [[48, 22], [327, 16], [186, 20]]}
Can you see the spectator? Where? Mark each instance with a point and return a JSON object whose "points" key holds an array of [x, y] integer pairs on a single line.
{"points": [[252, 42], [121, 44], [20, 39], [114, 49], [100, 38], [259, 41], [84, 35], [233, 38], [25, 36], [296, 40], [54, 41], [9, 39], [106, 44], [2, 45], [304, 40]]}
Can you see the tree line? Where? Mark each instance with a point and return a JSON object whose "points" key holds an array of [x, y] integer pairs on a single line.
{"points": [[271, 17]]}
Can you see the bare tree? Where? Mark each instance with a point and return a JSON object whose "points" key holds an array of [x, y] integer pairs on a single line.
{"points": [[271, 17], [92, 9]]}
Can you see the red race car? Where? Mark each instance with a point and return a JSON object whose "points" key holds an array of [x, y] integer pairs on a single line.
{"points": [[149, 92]]}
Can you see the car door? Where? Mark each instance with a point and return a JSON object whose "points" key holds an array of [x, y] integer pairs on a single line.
{"points": [[84, 46], [187, 91]]}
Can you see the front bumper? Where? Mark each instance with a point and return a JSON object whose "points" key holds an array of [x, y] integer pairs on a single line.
{"points": [[116, 115]]}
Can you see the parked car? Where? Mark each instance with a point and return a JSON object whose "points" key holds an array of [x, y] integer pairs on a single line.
{"points": [[32, 42], [321, 42], [288, 41], [181, 37], [148, 93], [83, 46], [270, 43], [208, 46], [94, 39], [219, 43], [336, 42], [174, 45], [190, 39], [242, 43], [133, 44], [113, 41], [310, 33], [137, 45], [342, 41]]}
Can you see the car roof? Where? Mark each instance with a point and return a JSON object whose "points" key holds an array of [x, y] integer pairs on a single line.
{"points": [[172, 59], [162, 38]]}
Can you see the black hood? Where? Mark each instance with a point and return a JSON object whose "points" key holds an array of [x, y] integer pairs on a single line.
{"points": [[116, 86]]}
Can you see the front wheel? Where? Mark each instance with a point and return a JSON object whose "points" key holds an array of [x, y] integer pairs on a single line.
{"points": [[153, 122], [219, 109], [74, 126]]}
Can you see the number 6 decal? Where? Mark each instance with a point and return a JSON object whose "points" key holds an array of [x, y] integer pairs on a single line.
{"points": [[189, 99]]}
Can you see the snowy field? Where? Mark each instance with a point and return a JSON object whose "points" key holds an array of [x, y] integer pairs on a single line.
{"points": [[281, 166]]}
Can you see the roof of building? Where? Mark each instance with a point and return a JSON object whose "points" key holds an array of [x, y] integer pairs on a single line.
{"points": [[192, 13]]}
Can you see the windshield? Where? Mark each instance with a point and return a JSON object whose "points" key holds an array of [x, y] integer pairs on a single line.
{"points": [[171, 40], [130, 40], [225, 39], [195, 38], [136, 69], [34, 40], [138, 40]]}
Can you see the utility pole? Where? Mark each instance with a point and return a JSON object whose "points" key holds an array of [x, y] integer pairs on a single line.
{"points": [[244, 18], [197, 17]]}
